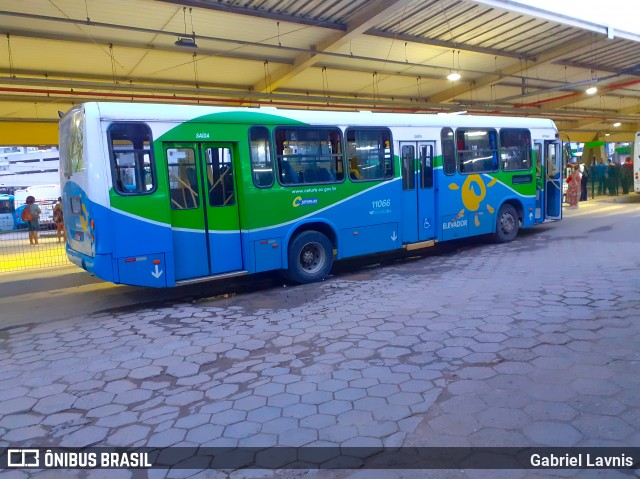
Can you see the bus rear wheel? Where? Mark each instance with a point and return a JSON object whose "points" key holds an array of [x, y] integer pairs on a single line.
{"points": [[506, 224], [310, 257]]}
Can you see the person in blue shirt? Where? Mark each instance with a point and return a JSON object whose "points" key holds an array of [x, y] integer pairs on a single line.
{"points": [[34, 223]]}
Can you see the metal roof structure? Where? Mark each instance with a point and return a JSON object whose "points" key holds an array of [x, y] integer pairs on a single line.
{"points": [[378, 55]]}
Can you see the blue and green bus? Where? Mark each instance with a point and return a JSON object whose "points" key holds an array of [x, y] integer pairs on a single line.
{"points": [[161, 195]]}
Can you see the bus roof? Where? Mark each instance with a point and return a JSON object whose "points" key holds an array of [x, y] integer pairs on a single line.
{"points": [[181, 113]]}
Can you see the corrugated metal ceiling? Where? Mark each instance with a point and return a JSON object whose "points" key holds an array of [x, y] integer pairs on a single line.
{"points": [[371, 54]]}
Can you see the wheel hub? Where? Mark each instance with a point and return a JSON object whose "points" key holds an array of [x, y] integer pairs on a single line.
{"points": [[311, 257]]}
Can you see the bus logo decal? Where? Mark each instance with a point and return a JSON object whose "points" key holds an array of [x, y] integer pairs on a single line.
{"points": [[473, 192], [300, 201]]}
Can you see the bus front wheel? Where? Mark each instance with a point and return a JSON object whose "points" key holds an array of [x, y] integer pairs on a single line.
{"points": [[310, 257], [506, 224]]}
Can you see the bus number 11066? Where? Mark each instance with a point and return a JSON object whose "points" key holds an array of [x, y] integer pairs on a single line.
{"points": [[381, 203]]}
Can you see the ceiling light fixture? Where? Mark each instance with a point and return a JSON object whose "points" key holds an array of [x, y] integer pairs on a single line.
{"points": [[617, 124], [453, 73], [591, 90], [186, 42]]}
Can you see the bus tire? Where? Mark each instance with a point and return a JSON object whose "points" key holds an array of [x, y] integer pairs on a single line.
{"points": [[507, 224], [310, 257]]}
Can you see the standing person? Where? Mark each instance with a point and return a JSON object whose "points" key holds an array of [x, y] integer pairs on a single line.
{"points": [[58, 219], [584, 171], [573, 189], [612, 178], [33, 219], [601, 175], [626, 176]]}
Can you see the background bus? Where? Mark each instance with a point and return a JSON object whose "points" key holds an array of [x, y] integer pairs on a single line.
{"points": [[159, 195], [7, 213]]}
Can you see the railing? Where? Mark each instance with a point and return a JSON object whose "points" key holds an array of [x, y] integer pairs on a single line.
{"points": [[17, 254]]}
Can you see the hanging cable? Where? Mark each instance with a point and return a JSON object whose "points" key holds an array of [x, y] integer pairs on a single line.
{"points": [[325, 82], [453, 40], [279, 43], [11, 74], [376, 87], [195, 69], [86, 9], [267, 77], [193, 32], [113, 63]]}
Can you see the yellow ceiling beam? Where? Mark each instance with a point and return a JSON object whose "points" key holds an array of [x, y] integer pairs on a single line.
{"points": [[28, 133]]}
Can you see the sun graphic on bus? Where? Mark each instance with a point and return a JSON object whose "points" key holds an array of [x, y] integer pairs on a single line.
{"points": [[473, 192]]}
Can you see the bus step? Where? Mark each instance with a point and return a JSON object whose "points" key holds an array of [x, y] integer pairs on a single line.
{"points": [[212, 277], [420, 245]]}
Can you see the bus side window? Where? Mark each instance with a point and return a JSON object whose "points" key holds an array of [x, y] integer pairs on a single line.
{"points": [[369, 153], [477, 150], [132, 162], [448, 151], [515, 149], [261, 160], [308, 155]]}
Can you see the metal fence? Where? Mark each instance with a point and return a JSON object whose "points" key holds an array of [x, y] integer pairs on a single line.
{"points": [[17, 254]]}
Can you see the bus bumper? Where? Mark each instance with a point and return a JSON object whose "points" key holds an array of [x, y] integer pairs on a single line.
{"points": [[99, 265]]}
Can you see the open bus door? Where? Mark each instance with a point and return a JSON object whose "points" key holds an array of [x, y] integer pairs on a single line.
{"points": [[553, 161]]}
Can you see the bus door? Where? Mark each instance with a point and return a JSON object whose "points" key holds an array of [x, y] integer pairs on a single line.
{"points": [[540, 180], [418, 198], [205, 223], [553, 179]]}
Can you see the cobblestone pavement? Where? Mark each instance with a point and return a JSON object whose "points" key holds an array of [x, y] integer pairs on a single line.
{"points": [[522, 344]]}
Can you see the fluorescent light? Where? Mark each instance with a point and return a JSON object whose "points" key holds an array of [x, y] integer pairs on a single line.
{"points": [[607, 134], [617, 124], [592, 90], [475, 133], [454, 76]]}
